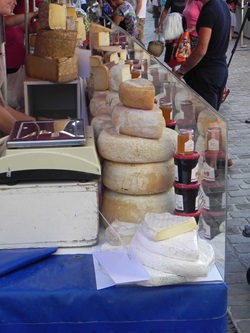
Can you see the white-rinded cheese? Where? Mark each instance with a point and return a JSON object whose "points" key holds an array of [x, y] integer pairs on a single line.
{"points": [[112, 99], [51, 69], [99, 123], [197, 268], [100, 77], [96, 60], [52, 16], [137, 122], [111, 56], [95, 27], [99, 39], [97, 105], [184, 246], [118, 74], [127, 149], [132, 208], [125, 230], [55, 43], [137, 93], [80, 28], [138, 179], [163, 226]]}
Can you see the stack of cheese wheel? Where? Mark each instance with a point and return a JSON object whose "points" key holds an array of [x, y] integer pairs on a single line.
{"points": [[55, 42], [137, 152]]}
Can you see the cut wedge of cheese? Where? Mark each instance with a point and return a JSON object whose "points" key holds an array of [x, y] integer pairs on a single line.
{"points": [[80, 28], [97, 105], [52, 16], [100, 77], [137, 93], [138, 179], [111, 56], [71, 11], [163, 226], [118, 74], [137, 122], [127, 149], [132, 208], [95, 27], [99, 39]]}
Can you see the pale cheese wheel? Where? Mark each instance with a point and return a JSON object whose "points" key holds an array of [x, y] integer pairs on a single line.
{"points": [[118, 74], [137, 93], [112, 99], [97, 105], [132, 208], [138, 179], [99, 123], [127, 149], [137, 122]]}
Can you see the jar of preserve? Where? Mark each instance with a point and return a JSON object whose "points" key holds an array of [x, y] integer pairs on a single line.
{"points": [[185, 141], [187, 108], [213, 139], [166, 108]]}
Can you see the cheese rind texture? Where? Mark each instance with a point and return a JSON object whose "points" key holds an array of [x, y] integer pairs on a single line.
{"points": [[163, 226], [99, 123], [55, 43], [118, 74], [137, 122], [132, 208], [138, 179], [52, 69], [52, 16], [97, 105], [137, 93], [197, 268], [127, 149]]}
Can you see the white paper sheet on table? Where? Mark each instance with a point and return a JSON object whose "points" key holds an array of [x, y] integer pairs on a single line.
{"points": [[119, 268]]}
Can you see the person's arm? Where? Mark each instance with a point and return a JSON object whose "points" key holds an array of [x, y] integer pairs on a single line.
{"points": [[117, 19], [18, 19], [198, 52], [7, 121], [138, 7], [18, 115], [162, 18]]}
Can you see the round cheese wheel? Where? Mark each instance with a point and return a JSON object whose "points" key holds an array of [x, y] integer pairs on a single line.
{"points": [[97, 105], [99, 123], [137, 122], [137, 93], [112, 99], [138, 179], [127, 149], [132, 208]]}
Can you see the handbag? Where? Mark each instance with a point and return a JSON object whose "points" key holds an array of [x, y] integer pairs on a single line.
{"points": [[156, 46], [178, 50], [149, 7], [174, 25]]}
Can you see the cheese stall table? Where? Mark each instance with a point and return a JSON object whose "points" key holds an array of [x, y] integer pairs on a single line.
{"points": [[58, 294]]}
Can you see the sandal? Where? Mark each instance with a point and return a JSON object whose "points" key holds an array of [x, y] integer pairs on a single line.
{"points": [[246, 231], [225, 94]]}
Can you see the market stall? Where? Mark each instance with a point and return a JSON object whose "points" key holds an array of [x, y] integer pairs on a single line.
{"points": [[154, 159]]}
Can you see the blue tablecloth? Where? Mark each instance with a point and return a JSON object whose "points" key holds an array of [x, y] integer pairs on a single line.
{"points": [[58, 295]]}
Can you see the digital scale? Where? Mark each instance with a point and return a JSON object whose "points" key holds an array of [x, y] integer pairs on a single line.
{"points": [[49, 150]]}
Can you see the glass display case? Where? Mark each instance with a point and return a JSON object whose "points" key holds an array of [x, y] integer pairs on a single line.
{"points": [[200, 180]]}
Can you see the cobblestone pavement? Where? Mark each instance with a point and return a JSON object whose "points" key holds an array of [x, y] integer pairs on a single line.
{"points": [[235, 110]]}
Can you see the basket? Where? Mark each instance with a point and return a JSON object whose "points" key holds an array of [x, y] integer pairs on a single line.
{"points": [[156, 47]]}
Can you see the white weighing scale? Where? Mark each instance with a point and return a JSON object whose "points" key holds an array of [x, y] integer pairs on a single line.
{"points": [[49, 150]]}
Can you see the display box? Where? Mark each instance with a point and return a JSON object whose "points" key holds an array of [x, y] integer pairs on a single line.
{"points": [[45, 99], [63, 214]]}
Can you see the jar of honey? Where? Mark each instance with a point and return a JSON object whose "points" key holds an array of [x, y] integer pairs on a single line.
{"points": [[136, 71], [185, 142], [213, 139], [166, 108]]}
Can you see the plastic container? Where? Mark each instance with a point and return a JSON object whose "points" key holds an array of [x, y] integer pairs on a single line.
{"points": [[186, 197], [210, 222], [196, 215], [214, 196], [214, 164], [186, 168]]}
